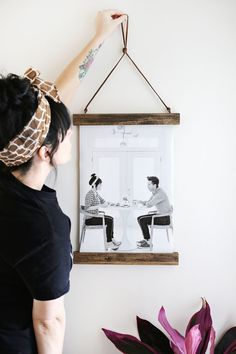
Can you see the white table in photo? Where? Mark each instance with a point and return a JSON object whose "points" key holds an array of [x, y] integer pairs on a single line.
{"points": [[124, 214]]}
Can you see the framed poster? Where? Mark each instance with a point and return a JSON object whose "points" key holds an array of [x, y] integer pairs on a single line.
{"points": [[126, 208]]}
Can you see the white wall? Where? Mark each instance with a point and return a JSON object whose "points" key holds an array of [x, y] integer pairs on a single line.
{"points": [[187, 49]]}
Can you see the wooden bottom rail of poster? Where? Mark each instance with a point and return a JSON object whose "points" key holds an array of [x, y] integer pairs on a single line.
{"points": [[126, 258]]}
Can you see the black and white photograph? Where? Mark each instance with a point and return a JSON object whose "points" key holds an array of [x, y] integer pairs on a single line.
{"points": [[126, 189]]}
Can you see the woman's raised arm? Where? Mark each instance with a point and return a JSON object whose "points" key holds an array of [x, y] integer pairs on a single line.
{"points": [[70, 78]]}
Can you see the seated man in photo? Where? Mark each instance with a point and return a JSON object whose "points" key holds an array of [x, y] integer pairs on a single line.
{"points": [[158, 199]]}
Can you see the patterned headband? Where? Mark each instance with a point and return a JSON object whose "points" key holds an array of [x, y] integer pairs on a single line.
{"points": [[21, 148]]}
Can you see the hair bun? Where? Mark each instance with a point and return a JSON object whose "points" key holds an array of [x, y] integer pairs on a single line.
{"points": [[14, 90], [92, 178], [18, 102]]}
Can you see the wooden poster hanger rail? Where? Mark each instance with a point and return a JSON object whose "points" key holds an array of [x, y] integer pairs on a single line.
{"points": [[125, 53]]}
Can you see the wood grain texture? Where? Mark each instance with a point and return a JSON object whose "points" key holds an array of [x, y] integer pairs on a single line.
{"points": [[126, 258], [127, 119]]}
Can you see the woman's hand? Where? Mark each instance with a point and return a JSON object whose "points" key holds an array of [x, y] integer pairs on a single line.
{"points": [[107, 21]]}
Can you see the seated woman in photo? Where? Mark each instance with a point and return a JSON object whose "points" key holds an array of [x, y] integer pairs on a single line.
{"points": [[92, 203]]}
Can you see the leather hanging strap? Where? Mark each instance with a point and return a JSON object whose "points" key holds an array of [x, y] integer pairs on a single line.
{"points": [[125, 52]]}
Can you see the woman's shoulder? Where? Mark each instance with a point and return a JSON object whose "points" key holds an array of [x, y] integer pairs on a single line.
{"points": [[90, 193]]}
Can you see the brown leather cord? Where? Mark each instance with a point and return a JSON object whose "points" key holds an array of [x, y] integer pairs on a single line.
{"points": [[125, 52], [86, 108], [125, 35]]}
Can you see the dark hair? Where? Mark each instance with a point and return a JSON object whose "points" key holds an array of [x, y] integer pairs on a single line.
{"points": [[18, 103], [154, 180], [93, 178]]}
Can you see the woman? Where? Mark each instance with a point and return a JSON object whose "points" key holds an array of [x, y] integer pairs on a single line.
{"points": [[92, 203], [35, 248]]}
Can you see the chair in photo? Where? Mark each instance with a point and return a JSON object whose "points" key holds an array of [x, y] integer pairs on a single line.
{"points": [[92, 227], [168, 227]]}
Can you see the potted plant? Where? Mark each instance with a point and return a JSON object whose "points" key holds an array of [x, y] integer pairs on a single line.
{"points": [[199, 335]]}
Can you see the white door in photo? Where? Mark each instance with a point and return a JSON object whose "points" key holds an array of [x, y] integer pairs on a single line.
{"points": [[108, 166], [124, 173], [140, 165]]}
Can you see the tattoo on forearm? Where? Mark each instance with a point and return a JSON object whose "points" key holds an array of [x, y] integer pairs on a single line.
{"points": [[87, 62]]}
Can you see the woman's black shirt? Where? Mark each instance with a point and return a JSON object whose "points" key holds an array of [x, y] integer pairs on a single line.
{"points": [[35, 258]]}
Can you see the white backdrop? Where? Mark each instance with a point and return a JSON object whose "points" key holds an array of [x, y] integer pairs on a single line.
{"points": [[187, 49]]}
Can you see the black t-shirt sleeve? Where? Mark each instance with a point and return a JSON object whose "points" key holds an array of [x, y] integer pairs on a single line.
{"points": [[45, 271]]}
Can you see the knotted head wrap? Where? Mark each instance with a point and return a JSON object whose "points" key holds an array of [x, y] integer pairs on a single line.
{"points": [[21, 148]]}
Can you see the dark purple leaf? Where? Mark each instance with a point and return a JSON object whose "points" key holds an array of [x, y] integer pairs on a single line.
{"points": [[128, 344], [227, 343], [203, 319], [152, 336]]}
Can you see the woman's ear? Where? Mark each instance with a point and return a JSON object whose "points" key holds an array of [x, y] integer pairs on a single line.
{"points": [[43, 153]]}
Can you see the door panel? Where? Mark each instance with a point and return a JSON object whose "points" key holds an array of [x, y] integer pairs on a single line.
{"points": [[125, 173]]}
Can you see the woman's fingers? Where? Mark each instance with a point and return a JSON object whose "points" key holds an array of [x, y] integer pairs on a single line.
{"points": [[115, 14], [119, 18], [108, 20]]}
